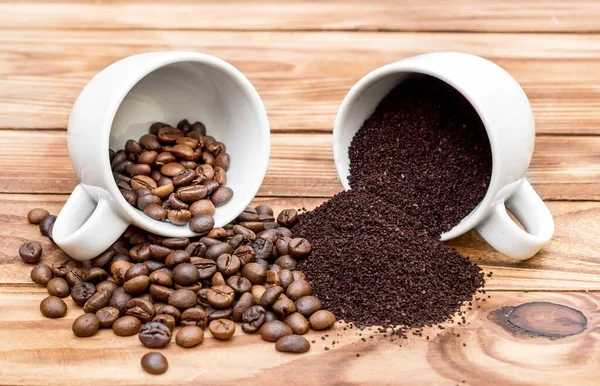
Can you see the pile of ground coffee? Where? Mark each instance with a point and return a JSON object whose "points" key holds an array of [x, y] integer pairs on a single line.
{"points": [[418, 165]]}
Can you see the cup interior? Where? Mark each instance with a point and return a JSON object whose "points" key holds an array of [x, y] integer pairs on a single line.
{"points": [[227, 104]]}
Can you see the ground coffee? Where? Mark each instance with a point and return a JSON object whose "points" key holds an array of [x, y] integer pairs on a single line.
{"points": [[418, 165]]}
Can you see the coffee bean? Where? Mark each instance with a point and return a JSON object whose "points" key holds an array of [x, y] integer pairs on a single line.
{"points": [[218, 249], [218, 279], [176, 243], [248, 215], [122, 167], [257, 292], [183, 151], [253, 318], [239, 284], [189, 336], [179, 216], [118, 270], [245, 253], [269, 234], [184, 178], [297, 323], [158, 252], [155, 212], [283, 307], [155, 363], [175, 203], [188, 141], [285, 232], [270, 316], [148, 157], [126, 326], [131, 146], [164, 191], [147, 200], [119, 157], [281, 244], [222, 329], [172, 169], [202, 224], [215, 147], [286, 278], [185, 274], [220, 296], [167, 320], [182, 298], [195, 316], [222, 161], [160, 293], [138, 169], [138, 269], [293, 344], [81, 292], [272, 277], [211, 185], [201, 207], [86, 325], [46, 226], [95, 275], [176, 257], [103, 260], [244, 302], [190, 194], [98, 300], [221, 196], [130, 196], [41, 274], [164, 158], [254, 272], [155, 335], [270, 296], [321, 320], [206, 267], [298, 289], [141, 309], [162, 308], [208, 158], [228, 264], [247, 233], [287, 262], [147, 296], [209, 243], [263, 248], [107, 316], [143, 182], [272, 331], [220, 175], [168, 135], [107, 285], [161, 278], [299, 248], [37, 215], [137, 285], [288, 217], [58, 287], [298, 275], [75, 276], [308, 305], [53, 307], [119, 301], [217, 233]]}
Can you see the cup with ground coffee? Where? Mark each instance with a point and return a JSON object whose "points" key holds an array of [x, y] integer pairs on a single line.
{"points": [[506, 115], [120, 103]]}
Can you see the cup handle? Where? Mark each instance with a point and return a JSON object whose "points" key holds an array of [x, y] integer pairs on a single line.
{"points": [[504, 235], [88, 224]]}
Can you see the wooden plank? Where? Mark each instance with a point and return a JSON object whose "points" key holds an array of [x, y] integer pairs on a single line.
{"points": [[36, 161], [391, 15], [301, 76], [480, 351], [568, 262]]}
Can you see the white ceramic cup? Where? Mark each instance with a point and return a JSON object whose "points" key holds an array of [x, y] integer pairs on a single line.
{"points": [[120, 103], [506, 114]]}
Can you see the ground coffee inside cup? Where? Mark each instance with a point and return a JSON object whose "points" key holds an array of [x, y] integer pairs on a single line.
{"points": [[418, 165]]}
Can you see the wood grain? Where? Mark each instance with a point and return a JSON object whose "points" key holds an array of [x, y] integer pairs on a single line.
{"points": [[478, 352], [571, 261], [563, 167], [390, 15], [301, 76]]}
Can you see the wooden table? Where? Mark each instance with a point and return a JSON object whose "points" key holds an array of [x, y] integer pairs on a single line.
{"points": [[303, 56]]}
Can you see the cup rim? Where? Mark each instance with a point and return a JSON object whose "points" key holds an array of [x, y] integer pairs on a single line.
{"points": [[157, 61], [403, 66]]}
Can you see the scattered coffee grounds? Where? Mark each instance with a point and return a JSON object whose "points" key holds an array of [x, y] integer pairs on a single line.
{"points": [[418, 165], [425, 150], [176, 174]]}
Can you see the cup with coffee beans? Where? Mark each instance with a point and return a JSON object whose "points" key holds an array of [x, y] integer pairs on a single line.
{"points": [[501, 108], [175, 143]]}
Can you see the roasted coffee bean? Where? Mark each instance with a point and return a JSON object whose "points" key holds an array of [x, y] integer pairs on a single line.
{"points": [[217, 233], [182, 298], [81, 292], [270, 296], [161, 278], [286, 262], [218, 249], [286, 278], [281, 244], [216, 314], [269, 234], [183, 151], [138, 269], [195, 316], [107, 316], [263, 263], [137, 285], [215, 147], [222, 161], [244, 302], [107, 285], [298, 275], [126, 326], [74, 276], [179, 216], [265, 218], [253, 226], [293, 344], [248, 215], [156, 126], [220, 296], [273, 330], [158, 252], [272, 278], [160, 293], [46, 226], [198, 128], [98, 300], [208, 158], [299, 248], [257, 292], [119, 301], [298, 289], [37, 215], [208, 139], [253, 318], [247, 233], [202, 207], [254, 272], [155, 363], [103, 260], [218, 279], [222, 329], [164, 191], [308, 305], [288, 217], [118, 269], [155, 335], [297, 323], [143, 182], [188, 141], [245, 253], [147, 157], [206, 267], [235, 241], [189, 336], [263, 248], [228, 264], [122, 167], [285, 232], [202, 224], [86, 325], [239, 284], [176, 257], [171, 169], [138, 169], [53, 307], [140, 308], [270, 316], [184, 126], [162, 308], [164, 158], [185, 177], [41, 274], [205, 170], [210, 242], [130, 196], [168, 135], [131, 146], [167, 320], [321, 320], [30, 252], [95, 275], [176, 243], [58, 287], [175, 203], [146, 296], [211, 185], [283, 306], [147, 200], [119, 157], [192, 193], [185, 274], [264, 210], [140, 252], [220, 175], [221, 196]]}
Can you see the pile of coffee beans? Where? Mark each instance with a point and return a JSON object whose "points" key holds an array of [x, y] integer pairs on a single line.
{"points": [[174, 173], [418, 165], [144, 284]]}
